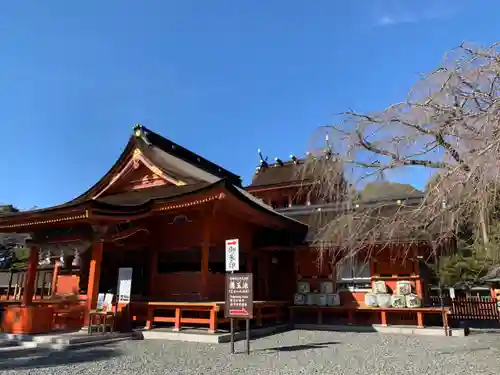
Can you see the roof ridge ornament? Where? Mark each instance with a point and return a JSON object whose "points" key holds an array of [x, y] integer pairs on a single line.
{"points": [[263, 161], [279, 162], [140, 132]]}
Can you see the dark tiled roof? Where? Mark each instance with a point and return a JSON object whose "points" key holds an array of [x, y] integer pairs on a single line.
{"points": [[277, 175], [188, 156], [319, 216]]}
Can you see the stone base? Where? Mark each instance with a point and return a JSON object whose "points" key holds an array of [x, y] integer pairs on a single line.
{"points": [[406, 330]]}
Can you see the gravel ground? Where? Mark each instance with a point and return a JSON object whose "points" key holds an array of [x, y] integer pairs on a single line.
{"points": [[295, 352]]}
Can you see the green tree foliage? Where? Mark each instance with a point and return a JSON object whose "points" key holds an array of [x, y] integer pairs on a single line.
{"points": [[465, 268], [13, 243]]}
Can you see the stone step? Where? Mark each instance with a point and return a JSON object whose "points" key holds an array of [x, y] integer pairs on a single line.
{"points": [[8, 343], [64, 341]]}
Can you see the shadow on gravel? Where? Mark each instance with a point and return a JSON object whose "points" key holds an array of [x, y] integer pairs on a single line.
{"points": [[294, 348], [49, 358]]}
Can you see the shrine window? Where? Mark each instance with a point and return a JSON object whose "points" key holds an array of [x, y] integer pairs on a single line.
{"points": [[354, 274]]}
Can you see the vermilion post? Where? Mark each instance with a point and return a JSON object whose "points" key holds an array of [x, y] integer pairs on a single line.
{"points": [[53, 286], [205, 253], [94, 276], [29, 281]]}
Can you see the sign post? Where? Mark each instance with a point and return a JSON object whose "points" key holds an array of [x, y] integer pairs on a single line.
{"points": [[239, 302], [232, 255], [124, 285], [232, 264]]}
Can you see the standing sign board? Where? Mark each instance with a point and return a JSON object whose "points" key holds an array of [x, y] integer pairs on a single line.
{"points": [[124, 285], [232, 255], [239, 296]]}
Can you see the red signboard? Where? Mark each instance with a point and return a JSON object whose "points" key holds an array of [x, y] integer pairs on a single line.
{"points": [[239, 296]]}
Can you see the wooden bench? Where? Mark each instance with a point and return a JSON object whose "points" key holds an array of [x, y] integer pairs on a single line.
{"points": [[177, 308], [263, 310], [102, 321], [351, 310]]}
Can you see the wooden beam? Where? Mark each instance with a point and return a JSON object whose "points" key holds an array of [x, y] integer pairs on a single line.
{"points": [[29, 281]]}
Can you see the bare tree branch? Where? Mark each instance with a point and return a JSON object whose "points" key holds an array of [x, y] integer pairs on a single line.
{"points": [[448, 124]]}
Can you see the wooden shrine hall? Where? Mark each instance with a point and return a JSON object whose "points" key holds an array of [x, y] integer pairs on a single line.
{"points": [[165, 212]]}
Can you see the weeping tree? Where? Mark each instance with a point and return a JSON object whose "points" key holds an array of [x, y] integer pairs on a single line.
{"points": [[448, 126]]}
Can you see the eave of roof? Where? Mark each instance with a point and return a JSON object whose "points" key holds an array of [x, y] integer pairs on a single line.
{"points": [[87, 209]]}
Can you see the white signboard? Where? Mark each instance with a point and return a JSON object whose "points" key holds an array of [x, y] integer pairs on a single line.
{"points": [[124, 284], [232, 255]]}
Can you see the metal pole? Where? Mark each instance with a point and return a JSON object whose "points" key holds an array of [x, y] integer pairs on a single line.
{"points": [[232, 329], [248, 336], [232, 335]]}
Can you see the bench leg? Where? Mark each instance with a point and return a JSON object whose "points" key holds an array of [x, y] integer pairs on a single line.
{"points": [[350, 317], [445, 323], [278, 314], [420, 319], [383, 318], [213, 321], [258, 317], [149, 319], [177, 322], [89, 329]]}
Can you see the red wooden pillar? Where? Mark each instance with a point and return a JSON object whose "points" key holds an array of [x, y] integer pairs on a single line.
{"points": [[55, 274], [249, 259], [29, 281], [153, 270], [205, 254], [94, 276]]}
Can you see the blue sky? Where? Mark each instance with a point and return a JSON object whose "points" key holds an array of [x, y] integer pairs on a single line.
{"points": [[221, 77]]}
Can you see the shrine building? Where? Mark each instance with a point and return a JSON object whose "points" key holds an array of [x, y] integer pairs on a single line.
{"points": [[166, 212]]}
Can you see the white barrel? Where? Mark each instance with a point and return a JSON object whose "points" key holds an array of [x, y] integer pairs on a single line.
{"points": [[303, 287], [299, 299], [403, 287], [371, 300], [398, 301], [384, 300], [380, 287], [333, 299], [326, 287], [413, 301], [321, 299]]}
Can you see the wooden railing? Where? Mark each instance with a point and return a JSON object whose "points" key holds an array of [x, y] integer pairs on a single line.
{"points": [[13, 289], [474, 309], [470, 308]]}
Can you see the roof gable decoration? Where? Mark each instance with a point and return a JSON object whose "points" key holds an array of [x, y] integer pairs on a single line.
{"points": [[124, 179]]}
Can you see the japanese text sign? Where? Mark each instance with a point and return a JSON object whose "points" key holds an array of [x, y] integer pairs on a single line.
{"points": [[232, 255], [239, 296]]}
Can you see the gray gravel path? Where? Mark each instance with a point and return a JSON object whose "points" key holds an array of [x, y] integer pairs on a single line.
{"points": [[295, 352]]}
